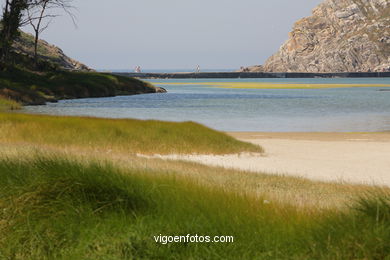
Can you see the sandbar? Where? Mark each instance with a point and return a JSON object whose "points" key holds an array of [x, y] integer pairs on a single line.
{"points": [[362, 158]]}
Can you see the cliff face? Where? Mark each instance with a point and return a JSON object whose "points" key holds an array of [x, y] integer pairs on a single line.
{"points": [[25, 45], [340, 36]]}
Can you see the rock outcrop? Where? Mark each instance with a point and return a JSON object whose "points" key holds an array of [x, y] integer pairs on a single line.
{"points": [[255, 68], [25, 45], [340, 36]]}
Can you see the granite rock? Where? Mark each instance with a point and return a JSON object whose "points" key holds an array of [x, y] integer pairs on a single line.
{"points": [[340, 36]]}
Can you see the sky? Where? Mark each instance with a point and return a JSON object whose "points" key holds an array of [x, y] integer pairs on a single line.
{"points": [[176, 34]]}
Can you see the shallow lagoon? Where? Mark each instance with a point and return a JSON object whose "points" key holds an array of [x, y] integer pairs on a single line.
{"points": [[330, 105]]}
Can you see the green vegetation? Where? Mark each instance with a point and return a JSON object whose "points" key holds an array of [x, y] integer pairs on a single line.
{"points": [[25, 42], [34, 80], [33, 72], [11, 20], [36, 88], [123, 135], [120, 140], [8, 104], [109, 204], [56, 208]]}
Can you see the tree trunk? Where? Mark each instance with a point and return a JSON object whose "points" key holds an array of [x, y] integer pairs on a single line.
{"points": [[12, 16], [36, 49], [3, 33]]}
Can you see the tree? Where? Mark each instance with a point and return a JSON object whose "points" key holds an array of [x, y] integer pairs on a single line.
{"points": [[10, 23], [37, 13]]}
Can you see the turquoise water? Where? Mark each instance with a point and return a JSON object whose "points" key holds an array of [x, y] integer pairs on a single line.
{"points": [[276, 110]]}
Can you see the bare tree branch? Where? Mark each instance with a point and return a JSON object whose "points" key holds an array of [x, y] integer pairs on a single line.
{"points": [[41, 10]]}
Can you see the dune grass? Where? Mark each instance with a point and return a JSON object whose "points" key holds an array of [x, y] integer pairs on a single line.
{"points": [[109, 204], [307, 195], [121, 140], [8, 104], [58, 208], [121, 135]]}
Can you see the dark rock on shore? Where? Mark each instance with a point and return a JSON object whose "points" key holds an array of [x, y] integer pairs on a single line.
{"points": [[161, 90], [255, 68]]}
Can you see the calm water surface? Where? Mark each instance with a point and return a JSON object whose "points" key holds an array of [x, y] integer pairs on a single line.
{"points": [[278, 110]]}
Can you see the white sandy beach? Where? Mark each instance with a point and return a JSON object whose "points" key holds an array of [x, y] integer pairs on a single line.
{"points": [[342, 157]]}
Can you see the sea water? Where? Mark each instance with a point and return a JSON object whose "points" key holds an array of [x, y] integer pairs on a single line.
{"points": [[240, 109]]}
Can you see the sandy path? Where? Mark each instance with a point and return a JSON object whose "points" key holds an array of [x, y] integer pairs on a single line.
{"points": [[356, 158]]}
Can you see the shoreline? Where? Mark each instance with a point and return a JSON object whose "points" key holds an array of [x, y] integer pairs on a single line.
{"points": [[356, 158], [52, 86], [216, 75], [314, 136]]}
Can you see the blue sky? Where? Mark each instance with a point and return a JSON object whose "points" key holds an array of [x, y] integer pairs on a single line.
{"points": [[174, 34]]}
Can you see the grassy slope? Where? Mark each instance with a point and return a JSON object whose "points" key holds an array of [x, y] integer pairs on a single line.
{"points": [[36, 88], [108, 204], [49, 54], [128, 136], [54, 208]]}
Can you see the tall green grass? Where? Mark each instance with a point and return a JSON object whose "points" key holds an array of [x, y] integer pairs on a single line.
{"points": [[56, 208], [122, 135]]}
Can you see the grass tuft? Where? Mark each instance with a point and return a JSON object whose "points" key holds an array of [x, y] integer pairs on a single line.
{"points": [[8, 104], [375, 206], [58, 208]]}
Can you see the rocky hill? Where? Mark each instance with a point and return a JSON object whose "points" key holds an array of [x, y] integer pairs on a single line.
{"points": [[48, 52], [340, 36], [58, 77]]}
